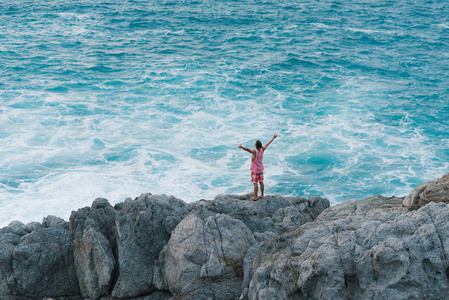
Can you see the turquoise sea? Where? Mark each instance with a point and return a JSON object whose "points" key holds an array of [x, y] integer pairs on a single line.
{"points": [[114, 98]]}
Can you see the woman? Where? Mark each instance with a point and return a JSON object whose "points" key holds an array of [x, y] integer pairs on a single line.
{"points": [[257, 166]]}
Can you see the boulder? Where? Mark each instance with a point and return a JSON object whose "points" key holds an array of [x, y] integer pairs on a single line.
{"points": [[94, 238], [368, 249], [204, 258], [144, 226], [17, 228], [55, 222], [39, 264], [431, 191]]}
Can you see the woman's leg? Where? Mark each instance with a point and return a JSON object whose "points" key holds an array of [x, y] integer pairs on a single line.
{"points": [[255, 191], [262, 188]]}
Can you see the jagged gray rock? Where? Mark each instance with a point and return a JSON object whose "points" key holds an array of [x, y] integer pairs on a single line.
{"points": [[38, 264], [272, 214], [231, 248], [144, 226], [115, 252], [8, 241], [368, 249], [93, 233], [431, 191], [204, 258], [117, 249]]}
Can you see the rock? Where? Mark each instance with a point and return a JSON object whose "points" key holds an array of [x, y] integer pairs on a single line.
{"points": [[154, 247], [43, 264], [144, 226], [55, 222], [367, 249], [432, 191], [18, 228], [30, 227], [38, 264], [159, 295], [204, 258], [194, 264], [160, 248], [273, 213], [93, 233], [248, 263], [8, 242], [267, 235], [101, 203]]}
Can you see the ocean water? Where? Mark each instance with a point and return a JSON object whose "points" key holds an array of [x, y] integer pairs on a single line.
{"points": [[114, 98]]}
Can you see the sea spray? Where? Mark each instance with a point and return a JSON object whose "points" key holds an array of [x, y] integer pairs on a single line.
{"points": [[117, 98]]}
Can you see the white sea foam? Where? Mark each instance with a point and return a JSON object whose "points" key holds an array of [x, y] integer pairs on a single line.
{"points": [[157, 98], [371, 31]]}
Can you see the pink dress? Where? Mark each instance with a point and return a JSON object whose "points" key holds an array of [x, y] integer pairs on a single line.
{"points": [[256, 164]]}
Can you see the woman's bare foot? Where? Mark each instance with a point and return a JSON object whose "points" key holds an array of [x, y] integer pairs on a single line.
{"points": [[254, 198]]}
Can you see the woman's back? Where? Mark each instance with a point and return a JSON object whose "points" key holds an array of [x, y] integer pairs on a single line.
{"points": [[256, 163]]}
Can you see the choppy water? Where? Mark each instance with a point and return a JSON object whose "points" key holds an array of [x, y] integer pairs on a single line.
{"points": [[116, 98]]}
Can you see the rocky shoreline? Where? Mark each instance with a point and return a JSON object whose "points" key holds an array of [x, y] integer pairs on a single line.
{"points": [[159, 247]]}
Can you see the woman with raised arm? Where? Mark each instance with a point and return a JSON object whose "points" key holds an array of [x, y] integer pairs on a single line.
{"points": [[257, 166]]}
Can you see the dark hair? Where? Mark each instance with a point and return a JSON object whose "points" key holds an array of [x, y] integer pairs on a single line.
{"points": [[258, 144]]}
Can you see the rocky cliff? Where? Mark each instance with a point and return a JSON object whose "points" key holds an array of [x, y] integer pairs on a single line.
{"points": [[159, 247]]}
